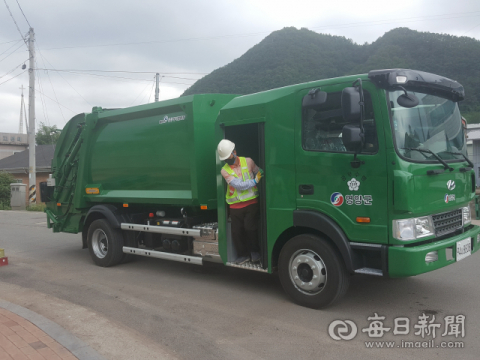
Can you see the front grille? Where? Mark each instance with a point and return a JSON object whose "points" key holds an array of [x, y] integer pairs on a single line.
{"points": [[448, 222]]}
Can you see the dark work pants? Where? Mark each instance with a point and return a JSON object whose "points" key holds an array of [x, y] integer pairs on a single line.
{"points": [[245, 229]]}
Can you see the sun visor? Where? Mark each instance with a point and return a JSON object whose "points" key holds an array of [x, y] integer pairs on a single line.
{"points": [[419, 81]]}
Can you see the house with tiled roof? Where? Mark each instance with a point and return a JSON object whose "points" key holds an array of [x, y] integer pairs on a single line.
{"points": [[17, 165]]}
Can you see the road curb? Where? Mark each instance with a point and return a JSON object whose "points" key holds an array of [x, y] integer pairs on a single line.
{"points": [[76, 346]]}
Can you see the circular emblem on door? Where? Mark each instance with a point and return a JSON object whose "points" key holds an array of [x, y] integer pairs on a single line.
{"points": [[336, 199]]}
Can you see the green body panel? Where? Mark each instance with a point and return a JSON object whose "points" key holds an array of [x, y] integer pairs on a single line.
{"points": [[173, 164], [418, 193], [409, 261], [133, 158], [330, 172]]}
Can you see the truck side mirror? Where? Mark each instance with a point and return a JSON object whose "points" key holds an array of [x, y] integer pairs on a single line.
{"points": [[352, 138], [314, 99], [351, 110], [408, 100]]}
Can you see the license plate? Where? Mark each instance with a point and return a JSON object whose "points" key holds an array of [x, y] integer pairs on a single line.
{"points": [[464, 249]]}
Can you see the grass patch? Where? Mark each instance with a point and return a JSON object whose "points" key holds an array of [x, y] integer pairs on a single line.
{"points": [[5, 206], [36, 207]]}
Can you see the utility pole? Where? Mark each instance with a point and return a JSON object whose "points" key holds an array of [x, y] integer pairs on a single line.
{"points": [[32, 175], [157, 87], [26, 120], [22, 105]]}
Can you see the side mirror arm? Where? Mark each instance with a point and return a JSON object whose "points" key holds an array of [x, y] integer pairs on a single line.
{"points": [[356, 163]]}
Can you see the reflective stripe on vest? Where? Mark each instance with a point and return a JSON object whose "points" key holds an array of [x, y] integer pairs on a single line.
{"points": [[244, 195]]}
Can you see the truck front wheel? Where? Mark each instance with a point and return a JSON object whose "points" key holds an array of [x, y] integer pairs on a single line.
{"points": [[312, 272], [105, 243]]}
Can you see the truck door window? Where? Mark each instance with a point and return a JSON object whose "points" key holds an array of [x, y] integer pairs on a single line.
{"points": [[322, 128]]}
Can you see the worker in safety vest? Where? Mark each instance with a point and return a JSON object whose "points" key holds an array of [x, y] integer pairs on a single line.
{"points": [[242, 177]]}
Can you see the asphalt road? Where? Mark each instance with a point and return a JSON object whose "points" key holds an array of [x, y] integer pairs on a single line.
{"points": [[152, 308]]}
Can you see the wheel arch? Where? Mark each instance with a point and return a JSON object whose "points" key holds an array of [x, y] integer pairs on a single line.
{"points": [[312, 222], [107, 211]]}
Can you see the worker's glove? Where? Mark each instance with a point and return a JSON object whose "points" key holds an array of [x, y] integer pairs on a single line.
{"points": [[258, 177]]}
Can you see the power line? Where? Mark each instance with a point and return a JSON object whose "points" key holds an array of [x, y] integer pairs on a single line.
{"points": [[141, 92], [176, 83], [13, 77], [155, 41], [23, 14], [44, 104], [84, 72], [471, 29], [120, 78], [54, 93], [151, 91], [125, 71], [176, 77], [13, 52], [15, 68], [45, 59], [366, 23], [5, 1], [8, 42], [390, 21], [107, 76], [11, 47], [75, 112]]}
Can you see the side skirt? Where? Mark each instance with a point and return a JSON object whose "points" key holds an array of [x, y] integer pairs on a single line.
{"points": [[163, 255]]}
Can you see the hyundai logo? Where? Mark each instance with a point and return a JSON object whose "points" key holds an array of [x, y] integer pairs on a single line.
{"points": [[450, 185]]}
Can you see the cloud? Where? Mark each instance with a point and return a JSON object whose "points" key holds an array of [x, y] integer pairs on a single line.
{"points": [[185, 37]]}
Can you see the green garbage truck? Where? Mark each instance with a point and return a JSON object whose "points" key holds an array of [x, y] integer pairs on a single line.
{"points": [[364, 174]]}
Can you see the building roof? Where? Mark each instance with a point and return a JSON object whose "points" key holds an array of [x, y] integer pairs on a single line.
{"points": [[19, 160], [13, 139], [473, 135]]}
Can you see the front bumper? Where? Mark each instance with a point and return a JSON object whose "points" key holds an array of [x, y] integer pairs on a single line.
{"points": [[409, 261]]}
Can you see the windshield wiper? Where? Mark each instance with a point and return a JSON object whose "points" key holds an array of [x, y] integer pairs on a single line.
{"points": [[431, 153], [466, 158]]}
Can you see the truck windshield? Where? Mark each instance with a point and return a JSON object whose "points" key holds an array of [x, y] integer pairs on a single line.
{"points": [[435, 124]]}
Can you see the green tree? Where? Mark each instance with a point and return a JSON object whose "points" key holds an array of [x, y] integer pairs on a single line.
{"points": [[5, 180], [47, 135], [290, 56]]}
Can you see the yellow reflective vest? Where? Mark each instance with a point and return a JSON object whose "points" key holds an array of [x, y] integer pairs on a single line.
{"points": [[244, 195]]}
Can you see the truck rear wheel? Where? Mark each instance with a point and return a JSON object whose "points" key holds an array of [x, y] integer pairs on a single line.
{"points": [[105, 243], [312, 272]]}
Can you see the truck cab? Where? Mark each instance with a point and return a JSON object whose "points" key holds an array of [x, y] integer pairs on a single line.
{"points": [[384, 186]]}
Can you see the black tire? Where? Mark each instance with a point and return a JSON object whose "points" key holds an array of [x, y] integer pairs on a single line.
{"points": [[126, 258], [105, 243], [312, 272]]}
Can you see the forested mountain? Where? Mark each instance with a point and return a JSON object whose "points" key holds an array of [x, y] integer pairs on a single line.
{"points": [[291, 56]]}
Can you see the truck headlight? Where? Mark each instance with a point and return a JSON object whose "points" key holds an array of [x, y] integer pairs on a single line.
{"points": [[411, 229], [467, 217]]}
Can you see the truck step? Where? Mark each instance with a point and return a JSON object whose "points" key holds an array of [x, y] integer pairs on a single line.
{"points": [[249, 266], [369, 271]]}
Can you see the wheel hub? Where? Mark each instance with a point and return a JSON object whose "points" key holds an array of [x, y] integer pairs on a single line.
{"points": [[100, 243], [307, 271]]}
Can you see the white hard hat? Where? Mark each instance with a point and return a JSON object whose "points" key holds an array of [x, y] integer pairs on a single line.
{"points": [[225, 148]]}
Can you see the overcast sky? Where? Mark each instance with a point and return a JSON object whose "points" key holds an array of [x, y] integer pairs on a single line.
{"points": [[183, 40]]}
